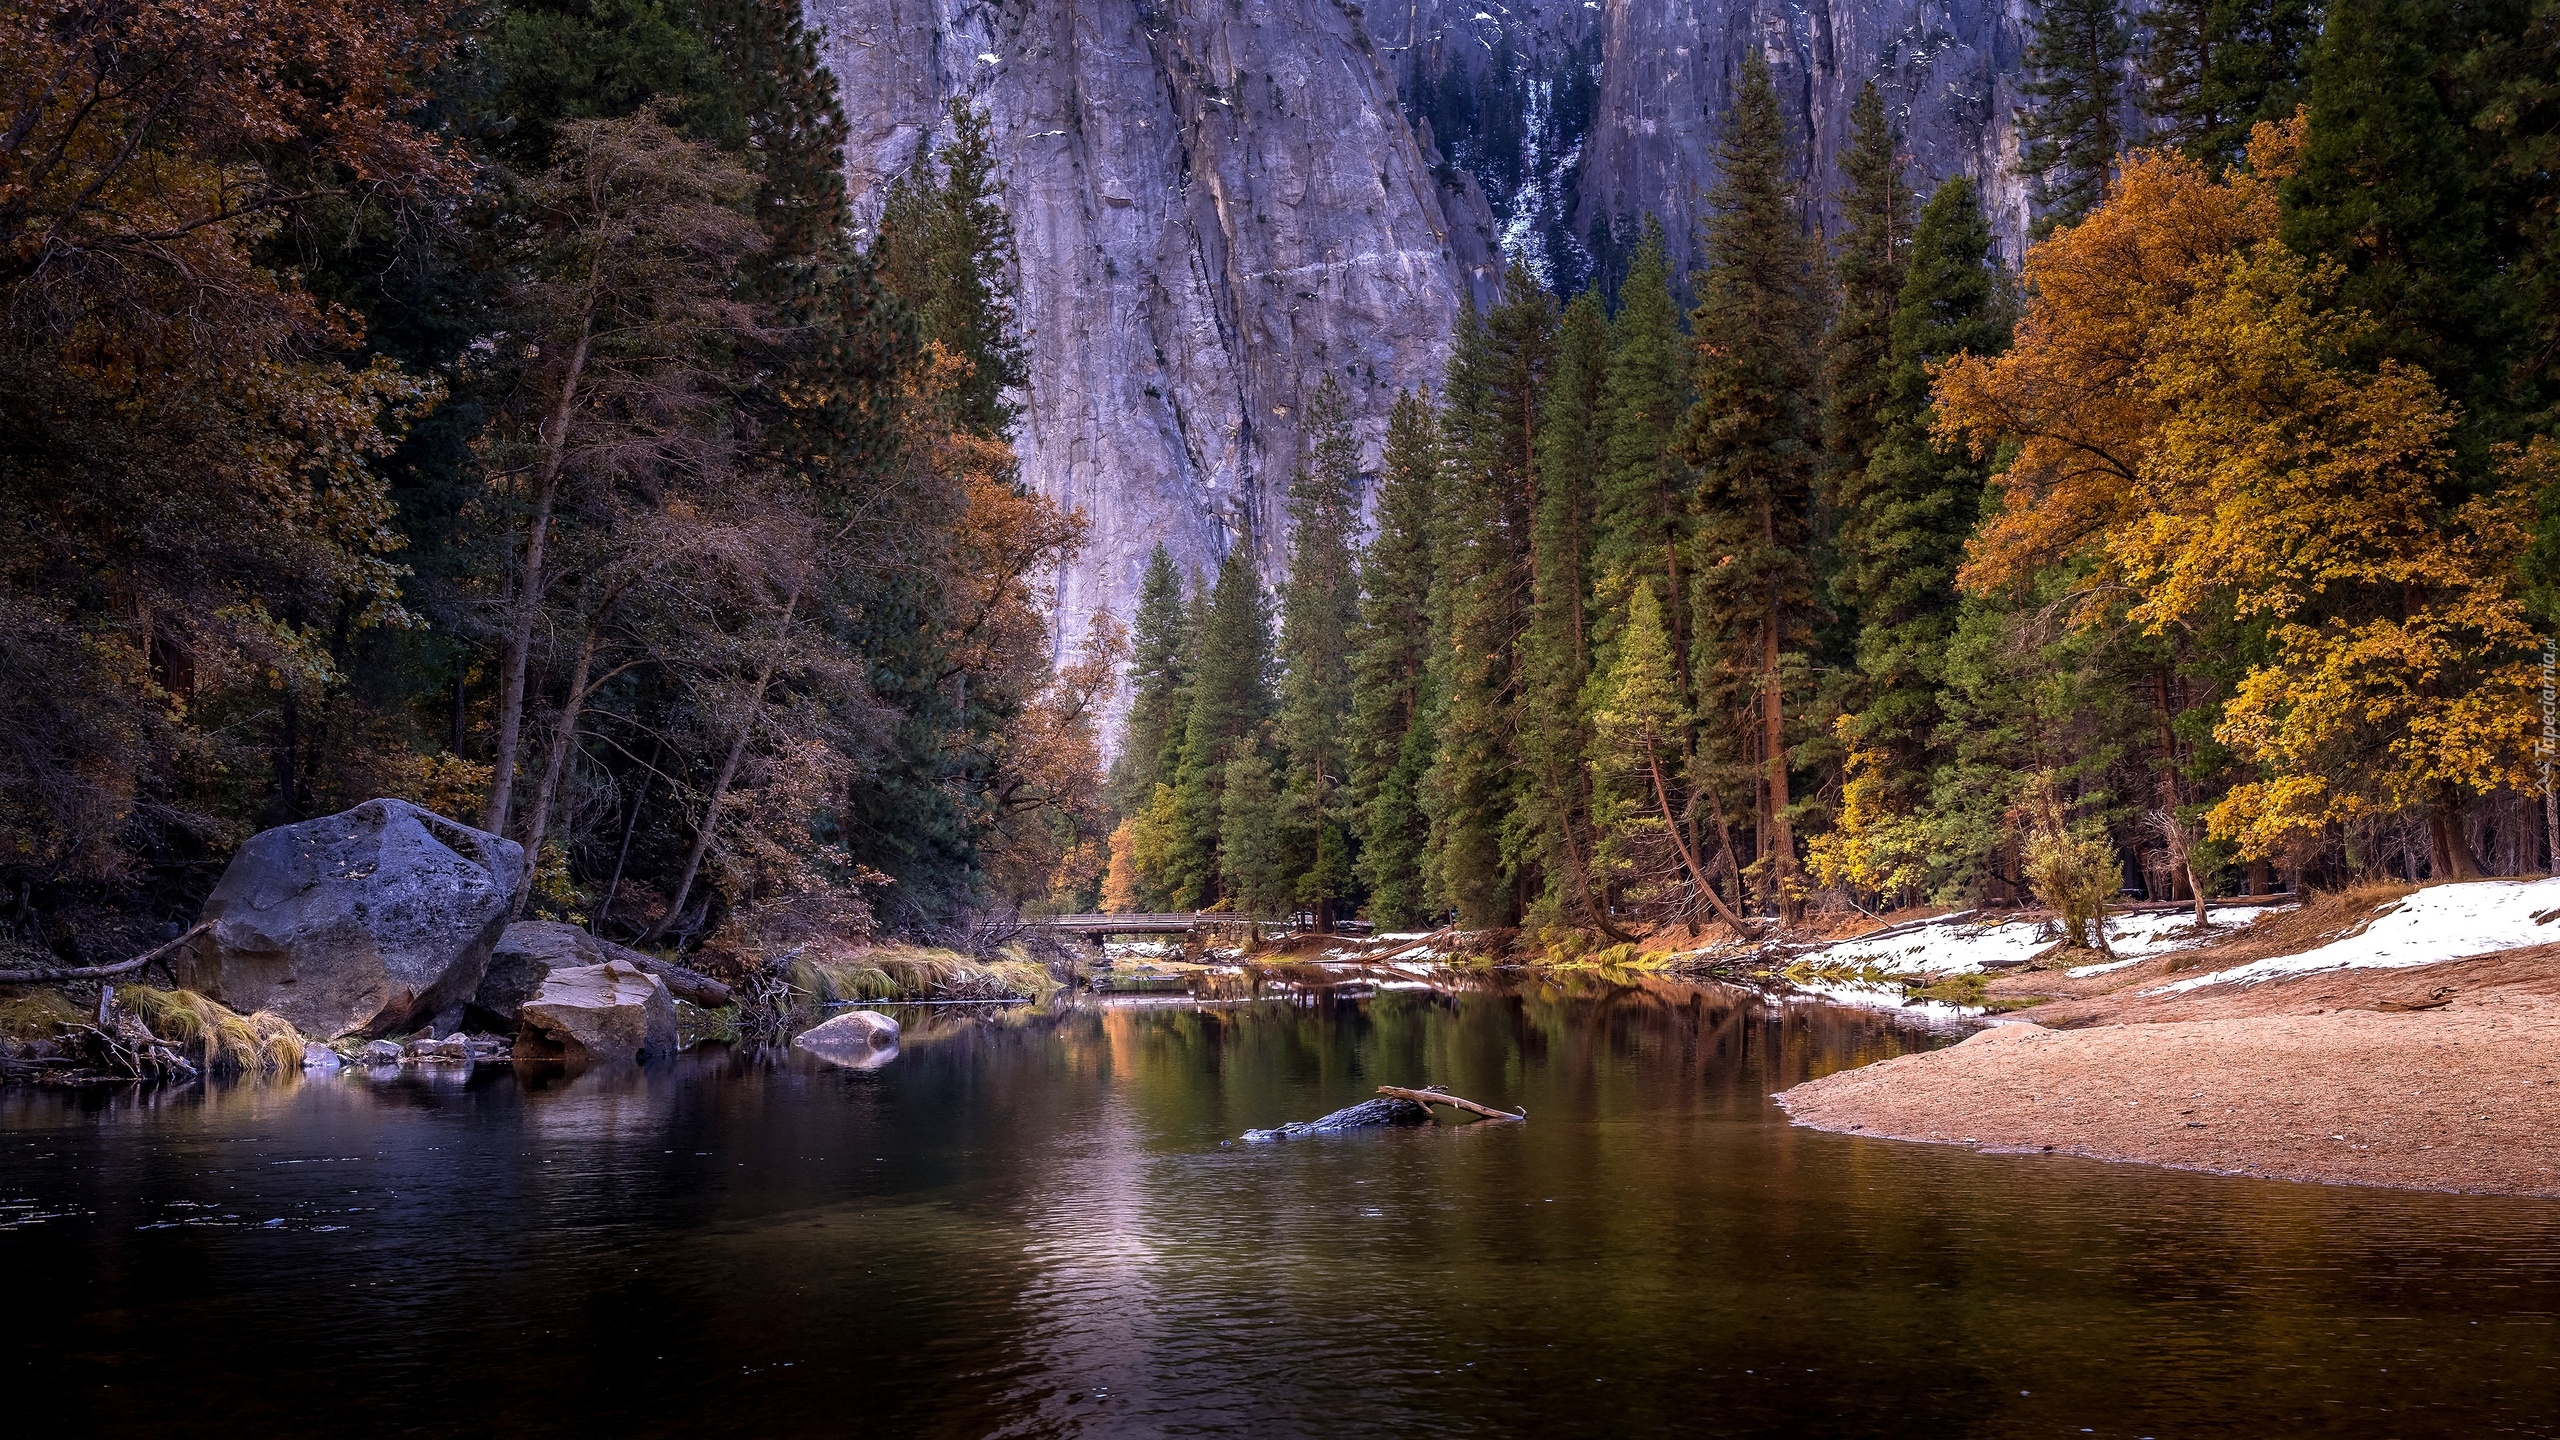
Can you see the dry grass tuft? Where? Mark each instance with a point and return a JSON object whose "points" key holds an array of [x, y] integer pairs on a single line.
{"points": [[229, 1042], [913, 972], [34, 1013]]}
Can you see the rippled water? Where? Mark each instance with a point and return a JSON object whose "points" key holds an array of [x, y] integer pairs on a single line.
{"points": [[1026, 1225]]}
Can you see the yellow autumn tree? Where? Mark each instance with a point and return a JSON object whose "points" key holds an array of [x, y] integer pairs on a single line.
{"points": [[2070, 392], [2198, 435], [1874, 845]]}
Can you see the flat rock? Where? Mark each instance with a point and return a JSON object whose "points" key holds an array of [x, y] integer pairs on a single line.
{"points": [[532, 949], [613, 1013], [367, 922], [860, 1039]]}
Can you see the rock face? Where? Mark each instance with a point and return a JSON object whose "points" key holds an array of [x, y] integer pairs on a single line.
{"points": [[862, 1039], [1612, 108], [1217, 202], [366, 922], [613, 1014], [524, 957]]}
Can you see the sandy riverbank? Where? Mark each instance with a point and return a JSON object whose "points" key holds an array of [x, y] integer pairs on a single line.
{"points": [[2438, 1077]]}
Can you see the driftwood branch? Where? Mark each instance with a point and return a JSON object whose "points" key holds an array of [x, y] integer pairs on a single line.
{"points": [[1428, 1097], [99, 972]]}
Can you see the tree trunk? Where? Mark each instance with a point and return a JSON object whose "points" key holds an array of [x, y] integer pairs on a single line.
{"points": [[2551, 823], [564, 735], [1678, 605], [728, 769], [1593, 905], [1773, 718], [2449, 850], [1697, 872], [555, 449]]}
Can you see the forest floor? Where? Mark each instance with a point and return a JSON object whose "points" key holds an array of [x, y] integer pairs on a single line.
{"points": [[2441, 1075]]}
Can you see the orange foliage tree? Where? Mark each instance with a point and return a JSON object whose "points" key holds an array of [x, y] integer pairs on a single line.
{"points": [[2187, 424]]}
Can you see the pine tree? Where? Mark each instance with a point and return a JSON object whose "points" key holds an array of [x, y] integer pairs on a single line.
{"points": [[2216, 68], [2074, 129], [1555, 653], [794, 120], [1230, 701], [1640, 722], [1252, 858], [1754, 438], [946, 247], [1641, 502], [1158, 660], [1857, 354], [1391, 712], [1480, 603], [2393, 184], [1319, 613], [1857, 359], [1903, 535]]}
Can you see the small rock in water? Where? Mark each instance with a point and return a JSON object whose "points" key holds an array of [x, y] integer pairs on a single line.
{"points": [[381, 1052], [860, 1039], [316, 1056]]}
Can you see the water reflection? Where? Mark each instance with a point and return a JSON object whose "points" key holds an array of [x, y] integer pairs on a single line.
{"points": [[1025, 1225]]}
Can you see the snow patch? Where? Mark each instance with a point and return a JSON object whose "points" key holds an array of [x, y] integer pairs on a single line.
{"points": [[2441, 922], [1961, 945]]}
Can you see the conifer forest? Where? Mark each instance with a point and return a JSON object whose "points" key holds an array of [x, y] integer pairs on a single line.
{"points": [[503, 408], [2209, 552]]}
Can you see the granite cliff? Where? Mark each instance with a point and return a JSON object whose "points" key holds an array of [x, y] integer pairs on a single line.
{"points": [[1216, 202], [1219, 201], [1584, 114]]}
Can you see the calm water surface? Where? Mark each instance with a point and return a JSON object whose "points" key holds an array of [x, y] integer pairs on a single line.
{"points": [[1026, 1225]]}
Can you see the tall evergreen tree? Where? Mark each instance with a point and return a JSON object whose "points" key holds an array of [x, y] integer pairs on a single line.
{"points": [[1641, 498], [1159, 644], [1230, 703], [946, 246], [1253, 860], [1319, 613], [2073, 129], [1857, 359], [1555, 653], [1481, 590], [2213, 69], [2394, 184], [1754, 436], [1903, 533], [1392, 717]]}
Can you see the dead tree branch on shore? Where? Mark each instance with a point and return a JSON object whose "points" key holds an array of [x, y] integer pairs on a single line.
{"points": [[1430, 1097], [99, 972]]}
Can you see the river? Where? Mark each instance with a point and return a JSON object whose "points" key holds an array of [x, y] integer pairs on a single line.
{"points": [[1026, 1224]]}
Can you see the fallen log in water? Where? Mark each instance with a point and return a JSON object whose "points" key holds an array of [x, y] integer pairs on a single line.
{"points": [[1366, 1114], [1429, 1096], [1396, 1106]]}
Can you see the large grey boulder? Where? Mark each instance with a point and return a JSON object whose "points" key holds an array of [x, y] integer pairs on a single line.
{"points": [[532, 949], [366, 922], [857, 1039], [612, 1014]]}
